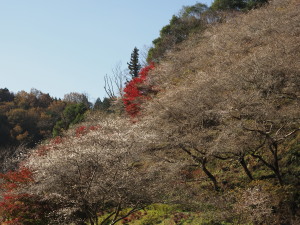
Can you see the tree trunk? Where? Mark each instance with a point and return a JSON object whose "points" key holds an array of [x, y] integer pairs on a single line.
{"points": [[244, 165], [274, 168], [274, 150], [210, 176], [202, 161]]}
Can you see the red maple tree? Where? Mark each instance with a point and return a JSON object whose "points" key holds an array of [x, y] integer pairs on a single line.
{"points": [[135, 95]]}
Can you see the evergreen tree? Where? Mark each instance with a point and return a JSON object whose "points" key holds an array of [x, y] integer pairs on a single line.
{"points": [[134, 65], [237, 4], [72, 114], [6, 95], [98, 104], [102, 105], [106, 103], [228, 5]]}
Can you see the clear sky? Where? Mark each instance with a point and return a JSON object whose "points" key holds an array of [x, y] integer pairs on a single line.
{"points": [[63, 46]]}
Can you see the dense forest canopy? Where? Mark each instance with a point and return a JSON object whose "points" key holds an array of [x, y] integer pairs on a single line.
{"points": [[29, 118]]}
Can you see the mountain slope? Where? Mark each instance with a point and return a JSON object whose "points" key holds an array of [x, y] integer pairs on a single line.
{"points": [[217, 138]]}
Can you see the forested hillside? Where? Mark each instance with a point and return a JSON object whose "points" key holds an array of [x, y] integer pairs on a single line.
{"points": [[208, 133], [28, 118]]}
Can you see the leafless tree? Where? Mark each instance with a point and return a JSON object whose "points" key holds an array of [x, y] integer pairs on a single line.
{"points": [[75, 97], [114, 84], [255, 205], [143, 55], [101, 171], [11, 156], [188, 118], [234, 93]]}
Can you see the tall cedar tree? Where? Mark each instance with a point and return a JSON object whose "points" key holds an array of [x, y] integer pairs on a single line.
{"points": [[134, 66]]}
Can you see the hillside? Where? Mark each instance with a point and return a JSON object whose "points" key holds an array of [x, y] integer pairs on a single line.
{"points": [[211, 136], [230, 101]]}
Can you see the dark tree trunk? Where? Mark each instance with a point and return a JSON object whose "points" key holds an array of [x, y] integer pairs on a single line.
{"points": [[209, 174], [244, 165], [274, 168], [274, 150], [202, 161]]}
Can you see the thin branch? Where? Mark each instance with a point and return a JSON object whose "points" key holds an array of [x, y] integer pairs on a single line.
{"points": [[255, 130], [108, 86], [135, 209], [164, 158], [118, 208], [198, 150], [197, 159], [277, 132], [91, 181], [264, 161], [289, 134], [221, 157], [107, 218]]}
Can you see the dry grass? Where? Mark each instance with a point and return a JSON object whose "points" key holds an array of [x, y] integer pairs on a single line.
{"points": [[240, 45]]}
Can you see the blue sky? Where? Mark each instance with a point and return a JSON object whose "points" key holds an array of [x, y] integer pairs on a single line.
{"points": [[63, 46]]}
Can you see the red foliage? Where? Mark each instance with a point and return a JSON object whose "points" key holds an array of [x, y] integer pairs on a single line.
{"points": [[82, 130], [18, 208], [134, 216], [57, 140], [21, 208], [42, 150], [179, 216], [13, 179], [94, 127], [11, 205], [134, 96]]}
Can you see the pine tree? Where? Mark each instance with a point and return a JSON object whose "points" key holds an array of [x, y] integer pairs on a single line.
{"points": [[98, 104], [102, 105], [134, 66]]}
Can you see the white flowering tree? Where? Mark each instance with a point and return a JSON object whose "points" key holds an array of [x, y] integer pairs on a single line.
{"points": [[100, 169]]}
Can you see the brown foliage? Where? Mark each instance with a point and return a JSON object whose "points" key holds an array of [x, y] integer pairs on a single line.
{"points": [[233, 93]]}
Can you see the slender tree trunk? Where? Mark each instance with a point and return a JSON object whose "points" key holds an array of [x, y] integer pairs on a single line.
{"points": [[277, 169], [202, 161], [94, 220], [244, 165], [274, 168], [279, 177], [115, 219], [209, 174], [274, 150]]}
